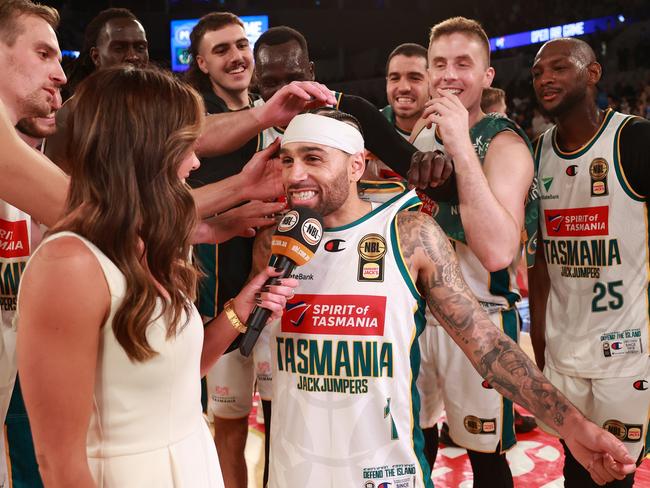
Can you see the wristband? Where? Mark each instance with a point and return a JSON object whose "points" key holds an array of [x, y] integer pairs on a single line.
{"points": [[238, 325]]}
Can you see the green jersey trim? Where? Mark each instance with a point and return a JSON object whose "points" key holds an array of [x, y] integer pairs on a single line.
{"points": [[399, 257], [416, 431], [579, 152], [510, 326], [619, 167], [408, 203], [500, 285], [207, 258]]}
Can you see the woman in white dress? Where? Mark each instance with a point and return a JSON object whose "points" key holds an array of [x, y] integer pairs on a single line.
{"points": [[110, 346]]}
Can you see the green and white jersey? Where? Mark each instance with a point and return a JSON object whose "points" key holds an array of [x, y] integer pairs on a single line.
{"points": [[595, 238], [15, 243], [495, 290], [346, 357], [389, 114], [270, 134]]}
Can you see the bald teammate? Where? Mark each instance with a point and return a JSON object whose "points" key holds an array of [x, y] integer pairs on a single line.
{"points": [[589, 286]]}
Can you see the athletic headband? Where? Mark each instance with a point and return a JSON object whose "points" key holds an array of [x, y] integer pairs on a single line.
{"points": [[323, 130]]}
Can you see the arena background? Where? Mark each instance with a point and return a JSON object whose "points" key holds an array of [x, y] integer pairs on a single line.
{"points": [[349, 42]]}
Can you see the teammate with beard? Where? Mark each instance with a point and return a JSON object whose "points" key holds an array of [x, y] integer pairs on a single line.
{"points": [[221, 68], [345, 355], [588, 289]]}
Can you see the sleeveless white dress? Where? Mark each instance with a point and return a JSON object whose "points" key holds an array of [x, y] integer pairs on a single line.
{"points": [[147, 427]]}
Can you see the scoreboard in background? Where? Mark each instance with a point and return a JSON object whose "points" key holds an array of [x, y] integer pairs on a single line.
{"points": [[254, 25], [573, 29]]}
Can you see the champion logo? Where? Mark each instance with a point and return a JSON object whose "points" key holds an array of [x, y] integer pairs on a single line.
{"points": [[640, 385], [572, 170], [335, 245]]}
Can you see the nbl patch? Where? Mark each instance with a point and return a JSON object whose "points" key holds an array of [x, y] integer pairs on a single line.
{"points": [[598, 170], [475, 425], [335, 315], [14, 239], [624, 432], [372, 250], [577, 222]]}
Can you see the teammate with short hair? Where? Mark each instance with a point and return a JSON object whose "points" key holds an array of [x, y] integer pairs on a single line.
{"points": [[589, 286], [485, 224], [32, 76], [345, 355], [493, 100], [407, 86], [17, 455]]}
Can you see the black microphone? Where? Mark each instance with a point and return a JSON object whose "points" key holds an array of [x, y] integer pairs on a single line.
{"points": [[294, 243]]}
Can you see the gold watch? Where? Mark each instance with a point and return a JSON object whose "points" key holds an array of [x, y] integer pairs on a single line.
{"points": [[233, 318]]}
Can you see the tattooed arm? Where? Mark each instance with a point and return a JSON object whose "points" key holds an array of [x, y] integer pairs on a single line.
{"points": [[433, 263]]}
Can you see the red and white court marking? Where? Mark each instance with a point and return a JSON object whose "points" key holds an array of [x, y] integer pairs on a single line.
{"points": [[536, 462]]}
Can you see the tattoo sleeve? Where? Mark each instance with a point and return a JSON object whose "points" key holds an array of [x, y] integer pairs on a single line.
{"points": [[495, 356]]}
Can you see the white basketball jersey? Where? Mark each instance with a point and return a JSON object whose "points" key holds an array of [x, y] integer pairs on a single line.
{"points": [[15, 240], [494, 290], [346, 357], [595, 238]]}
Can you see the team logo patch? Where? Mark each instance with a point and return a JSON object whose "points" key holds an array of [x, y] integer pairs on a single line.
{"points": [[372, 249], [335, 245], [335, 315], [311, 231], [369, 484], [289, 221], [572, 170], [640, 385], [574, 222], [624, 432], [475, 425], [598, 170], [14, 239]]}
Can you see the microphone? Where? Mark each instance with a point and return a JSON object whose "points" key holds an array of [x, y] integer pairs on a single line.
{"points": [[294, 243]]}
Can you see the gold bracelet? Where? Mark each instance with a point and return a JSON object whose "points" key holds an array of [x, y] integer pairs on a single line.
{"points": [[233, 318]]}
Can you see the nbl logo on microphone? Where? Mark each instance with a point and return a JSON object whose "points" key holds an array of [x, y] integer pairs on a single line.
{"points": [[311, 231], [288, 222]]}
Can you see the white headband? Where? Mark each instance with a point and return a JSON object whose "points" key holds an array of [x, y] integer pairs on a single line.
{"points": [[323, 130]]}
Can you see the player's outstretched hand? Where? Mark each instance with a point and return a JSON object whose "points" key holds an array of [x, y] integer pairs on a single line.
{"points": [[262, 175], [239, 221], [273, 297], [599, 452], [429, 169], [292, 99]]}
